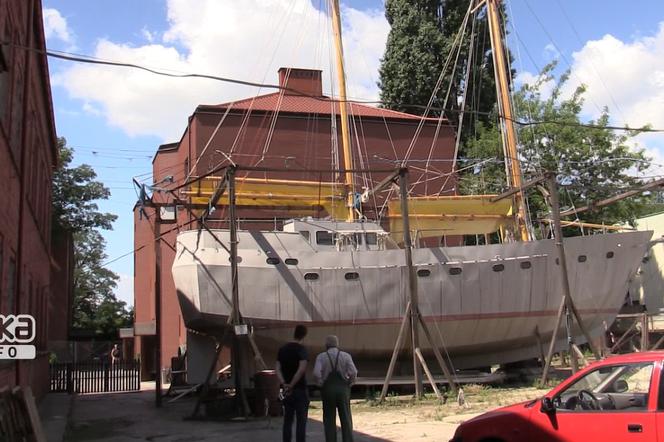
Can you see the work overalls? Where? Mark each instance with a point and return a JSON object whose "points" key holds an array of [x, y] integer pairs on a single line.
{"points": [[336, 396]]}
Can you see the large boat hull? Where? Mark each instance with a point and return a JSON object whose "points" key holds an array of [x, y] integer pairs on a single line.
{"points": [[484, 304]]}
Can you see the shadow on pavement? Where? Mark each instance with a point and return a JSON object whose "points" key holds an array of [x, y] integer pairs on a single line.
{"points": [[131, 416]]}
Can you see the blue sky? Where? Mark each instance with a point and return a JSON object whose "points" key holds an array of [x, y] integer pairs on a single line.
{"points": [[115, 119]]}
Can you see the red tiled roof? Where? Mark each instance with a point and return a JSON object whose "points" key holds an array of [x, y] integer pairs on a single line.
{"points": [[310, 105]]}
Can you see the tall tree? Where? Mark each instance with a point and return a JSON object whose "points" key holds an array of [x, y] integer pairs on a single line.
{"points": [[421, 39], [75, 211], [591, 163]]}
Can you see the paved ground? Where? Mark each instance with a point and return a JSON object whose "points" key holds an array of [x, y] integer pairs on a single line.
{"points": [[132, 416]]}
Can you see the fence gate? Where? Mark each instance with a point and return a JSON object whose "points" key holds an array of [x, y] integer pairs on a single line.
{"points": [[95, 377]]}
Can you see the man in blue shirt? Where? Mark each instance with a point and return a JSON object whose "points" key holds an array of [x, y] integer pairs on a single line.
{"points": [[291, 367]]}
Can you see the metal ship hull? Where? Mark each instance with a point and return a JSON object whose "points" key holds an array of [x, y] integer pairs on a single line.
{"points": [[484, 304]]}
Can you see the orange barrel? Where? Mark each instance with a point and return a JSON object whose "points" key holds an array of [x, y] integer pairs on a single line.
{"points": [[267, 393]]}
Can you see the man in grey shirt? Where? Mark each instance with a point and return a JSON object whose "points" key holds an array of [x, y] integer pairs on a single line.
{"points": [[335, 372]]}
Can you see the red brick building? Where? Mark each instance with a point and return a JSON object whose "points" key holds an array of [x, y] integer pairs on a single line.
{"points": [[28, 153], [291, 129]]}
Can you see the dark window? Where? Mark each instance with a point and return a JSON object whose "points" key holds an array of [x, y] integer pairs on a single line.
{"points": [[582, 258], [291, 261], [305, 234], [498, 267], [455, 271], [609, 255], [423, 272], [372, 239], [311, 276], [273, 261], [351, 276], [325, 238], [526, 265]]}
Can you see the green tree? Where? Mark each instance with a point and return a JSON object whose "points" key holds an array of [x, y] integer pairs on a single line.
{"points": [[75, 212], [420, 41], [591, 163]]}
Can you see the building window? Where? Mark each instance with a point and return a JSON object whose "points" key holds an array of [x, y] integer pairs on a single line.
{"points": [[325, 238]]}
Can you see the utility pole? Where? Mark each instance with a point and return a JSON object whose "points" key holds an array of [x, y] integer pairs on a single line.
{"points": [[157, 305]]}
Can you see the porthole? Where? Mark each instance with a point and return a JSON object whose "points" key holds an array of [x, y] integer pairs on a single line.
{"points": [[525, 265], [423, 273], [582, 258], [273, 261], [498, 267], [311, 276], [351, 276], [609, 255], [455, 271], [291, 261]]}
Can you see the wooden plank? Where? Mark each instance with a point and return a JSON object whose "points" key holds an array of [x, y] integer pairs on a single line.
{"points": [[25, 395]]}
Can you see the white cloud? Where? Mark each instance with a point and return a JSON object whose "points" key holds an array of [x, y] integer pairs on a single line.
{"points": [[628, 78], [249, 40], [625, 76], [551, 52], [149, 36], [55, 26], [125, 289]]}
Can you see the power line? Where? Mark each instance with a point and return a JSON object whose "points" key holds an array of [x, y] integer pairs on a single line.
{"points": [[80, 59]]}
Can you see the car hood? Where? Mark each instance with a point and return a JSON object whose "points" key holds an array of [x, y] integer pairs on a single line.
{"points": [[524, 409]]}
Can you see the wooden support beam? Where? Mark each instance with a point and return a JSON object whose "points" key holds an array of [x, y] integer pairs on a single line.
{"points": [[613, 199], [412, 280], [439, 357], [515, 190], [428, 373], [623, 337], [395, 353]]}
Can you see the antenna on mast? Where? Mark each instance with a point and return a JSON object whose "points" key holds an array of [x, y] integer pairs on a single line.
{"points": [[345, 131]]}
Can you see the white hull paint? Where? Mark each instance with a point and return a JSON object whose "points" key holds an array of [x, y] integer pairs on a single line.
{"points": [[485, 313]]}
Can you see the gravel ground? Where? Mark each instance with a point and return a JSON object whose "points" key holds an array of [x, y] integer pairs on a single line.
{"points": [[132, 417]]}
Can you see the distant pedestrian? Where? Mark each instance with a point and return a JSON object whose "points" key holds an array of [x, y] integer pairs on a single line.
{"points": [[291, 367], [335, 372], [115, 354]]}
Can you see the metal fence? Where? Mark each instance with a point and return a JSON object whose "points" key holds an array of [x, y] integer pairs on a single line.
{"points": [[95, 377]]}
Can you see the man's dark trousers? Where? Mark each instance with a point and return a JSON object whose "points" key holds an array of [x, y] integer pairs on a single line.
{"points": [[296, 405]]}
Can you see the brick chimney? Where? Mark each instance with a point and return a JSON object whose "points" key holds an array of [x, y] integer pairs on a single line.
{"points": [[306, 81]]}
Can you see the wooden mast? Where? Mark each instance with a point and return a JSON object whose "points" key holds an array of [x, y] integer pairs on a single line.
{"points": [[345, 132], [508, 131]]}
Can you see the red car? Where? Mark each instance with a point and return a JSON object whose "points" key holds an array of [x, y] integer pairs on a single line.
{"points": [[618, 399]]}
